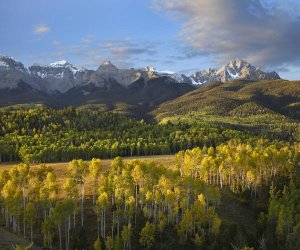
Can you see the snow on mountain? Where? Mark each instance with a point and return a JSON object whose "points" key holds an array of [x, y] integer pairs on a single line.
{"points": [[56, 69], [180, 78], [233, 76], [4, 64], [11, 72], [61, 76], [235, 69], [10, 63], [203, 76], [107, 63], [108, 68], [61, 63], [58, 76]]}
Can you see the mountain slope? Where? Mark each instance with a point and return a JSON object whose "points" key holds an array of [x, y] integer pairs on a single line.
{"points": [[12, 72], [138, 98], [22, 93], [221, 98], [252, 105]]}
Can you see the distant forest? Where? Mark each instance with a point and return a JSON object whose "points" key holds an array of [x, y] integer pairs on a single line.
{"points": [[53, 135]]}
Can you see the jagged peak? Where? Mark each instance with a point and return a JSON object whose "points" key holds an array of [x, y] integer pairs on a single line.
{"points": [[11, 63], [237, 68], [209, 71], [107, 66], [222, 69], [6, 57], [238, 63], [35, 65], [150, 69], [107, 63], [60, 63], [9, 58], [238, 60]]}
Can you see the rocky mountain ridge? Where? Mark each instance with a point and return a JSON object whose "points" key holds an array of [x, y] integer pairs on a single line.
{"points": [[62, 76], [237, 69]]}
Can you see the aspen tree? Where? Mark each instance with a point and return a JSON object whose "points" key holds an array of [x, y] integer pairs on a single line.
{"points": [[30, 214], [95, 170], [147, 235], [78, 170]]}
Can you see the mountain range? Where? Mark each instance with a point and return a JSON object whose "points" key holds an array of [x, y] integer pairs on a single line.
{"points": [[137, 90], [62, 76]]}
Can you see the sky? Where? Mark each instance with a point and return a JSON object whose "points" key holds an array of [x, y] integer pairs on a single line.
{"points": [[175, 35]]}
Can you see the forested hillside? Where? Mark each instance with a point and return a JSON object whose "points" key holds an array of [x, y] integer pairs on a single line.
{"points": [[50, 135], [278, 96], [269, 108]]}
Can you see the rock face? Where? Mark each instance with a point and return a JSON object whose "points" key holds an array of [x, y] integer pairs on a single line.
{"points": [[60, 77], [8, 63], [180, 78], [235, 69], [108, 72], [13, 72], [204, 76]]}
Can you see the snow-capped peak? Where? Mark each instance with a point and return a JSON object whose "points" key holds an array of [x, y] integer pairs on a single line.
{"points": [[235, 69], [64, 64], [3, 57], [56, 71], [107, 63], [238, 64], [107, 66], [150, 69], [60, 63], [180, 78], [8, 62]]}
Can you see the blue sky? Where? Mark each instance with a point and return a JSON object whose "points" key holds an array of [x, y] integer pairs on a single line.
{"points": [[181, 36]]}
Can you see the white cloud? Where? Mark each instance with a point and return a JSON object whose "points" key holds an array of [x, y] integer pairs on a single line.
{"points": [[41, 29], [265, 34]]}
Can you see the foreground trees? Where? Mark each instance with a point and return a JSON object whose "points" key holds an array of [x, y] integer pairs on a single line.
{"points": [[134, 198], [147, 235], [239, 166], [138, 204]]}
